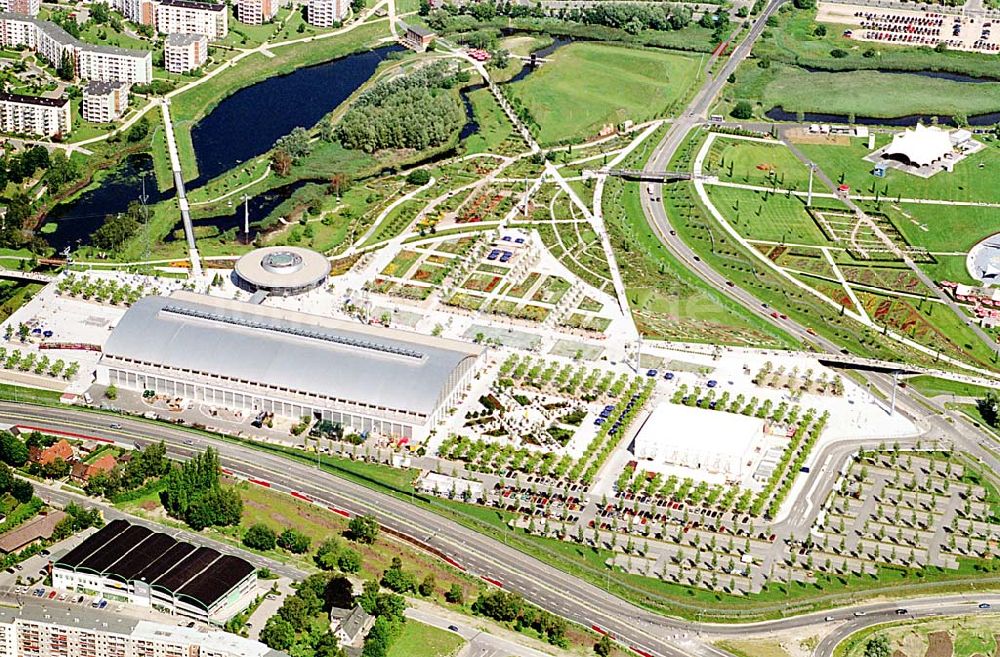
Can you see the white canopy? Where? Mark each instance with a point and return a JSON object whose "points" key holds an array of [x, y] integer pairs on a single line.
{"points": [[920, 146]]}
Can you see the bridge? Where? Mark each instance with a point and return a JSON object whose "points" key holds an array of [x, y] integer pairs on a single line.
{"points": [[888, 367], [649, 176], [31, 276]]}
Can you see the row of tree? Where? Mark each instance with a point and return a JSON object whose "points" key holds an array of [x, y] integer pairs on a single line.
{"points": [[633, 17], [414, 111], [193, 494], [508, 607]]}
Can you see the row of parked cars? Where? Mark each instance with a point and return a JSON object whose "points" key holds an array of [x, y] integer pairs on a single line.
{"points": [[52, 594]]}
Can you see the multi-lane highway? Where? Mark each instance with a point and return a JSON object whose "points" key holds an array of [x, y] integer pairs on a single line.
{"points": [[544, 585]]}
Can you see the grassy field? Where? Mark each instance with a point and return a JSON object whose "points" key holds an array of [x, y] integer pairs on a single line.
{"points": [[970, 635], [756, 163], [864, 93], [948, 228], [569, 96], [494, 128], [931, 386], [767, 216], [968, 182], [426, 641]]}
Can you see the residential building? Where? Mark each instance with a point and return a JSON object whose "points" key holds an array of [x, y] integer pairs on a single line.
{"points": [[350, 625], [256, 12], [44, 628], [36, 529], [29, 7], [142, 12], [104, 102], [136, 565], [326, 13], [45, 455], [259, 359], [185, 52], [417, 37], [110, 63], [90, 62], [82, 471], [186, 17], [34, 115]]}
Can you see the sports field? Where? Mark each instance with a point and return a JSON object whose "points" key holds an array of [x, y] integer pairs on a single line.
{"points": [[585, 86]]}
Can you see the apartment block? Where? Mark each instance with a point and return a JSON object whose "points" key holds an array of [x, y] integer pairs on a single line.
{"points": [[326, 13], [34, 115], [256, 12], [104, 102], [186, 17], [185, 52]]}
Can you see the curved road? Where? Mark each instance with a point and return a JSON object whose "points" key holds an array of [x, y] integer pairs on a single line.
{"points": [[546, 586]]}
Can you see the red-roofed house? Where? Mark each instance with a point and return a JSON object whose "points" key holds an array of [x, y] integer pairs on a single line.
{"points": [[82, 472], [60, 450]]}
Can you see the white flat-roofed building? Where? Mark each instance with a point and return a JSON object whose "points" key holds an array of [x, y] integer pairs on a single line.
{"points": [[261, 359], [187, 17], [110, 63], [104, 102], [326, 13], [256, 12], [39, 628], [90, 62], [34, 115], [185, 52], [723, 444]]}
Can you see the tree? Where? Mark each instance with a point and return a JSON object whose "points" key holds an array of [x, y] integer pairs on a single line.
{"points": [[398, 580], [277, 633], [418, 177], [296, 611], [878, 646], [260, 537], [22, 490], [66, 70], [426, 587], [138, 131], [363, 529], [193, 494], [55, 469], [603, 647], [349, 561], [281, 162], [294, 541], [328, 552], [111, 392], [455, 595], [989, 409], [116, 230], [742, 110], [12, 450]]}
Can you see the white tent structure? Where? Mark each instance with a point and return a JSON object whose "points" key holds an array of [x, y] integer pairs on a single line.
{"points": [[921, 146]]}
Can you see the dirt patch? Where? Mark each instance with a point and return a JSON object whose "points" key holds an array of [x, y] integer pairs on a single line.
{"points": [[899, 653], [803, 136], [996, 652], [149, 505], [939, 645]]}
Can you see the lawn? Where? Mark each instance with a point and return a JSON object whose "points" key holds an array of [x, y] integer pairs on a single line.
{"points": [[968, 182], [948, 228], [494, 128], [756, 163], [767, 216], [970, 635], [871, 93], [426, 641], [931, 386], [569, 96]]}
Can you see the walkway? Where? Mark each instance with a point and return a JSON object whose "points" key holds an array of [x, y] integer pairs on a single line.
{"points": [[175, 166]]}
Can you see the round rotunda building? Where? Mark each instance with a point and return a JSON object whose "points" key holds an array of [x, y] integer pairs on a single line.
{"points": [[281, 271]]}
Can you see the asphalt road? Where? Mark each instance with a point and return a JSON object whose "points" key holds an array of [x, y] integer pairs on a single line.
{"points": [[544, 585]]}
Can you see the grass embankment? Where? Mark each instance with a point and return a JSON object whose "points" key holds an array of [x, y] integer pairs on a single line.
{"points": [[970, 635], [931, 386], [189, 106], [570, 97], [426, 641]]}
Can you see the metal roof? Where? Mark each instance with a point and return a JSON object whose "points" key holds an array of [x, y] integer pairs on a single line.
{"points": [[303, 353]]}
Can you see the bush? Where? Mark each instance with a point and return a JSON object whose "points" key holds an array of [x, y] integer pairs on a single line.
{"points": [[260, 537], [419, 177], [837, 53], [294, 541], [743, 110]]}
